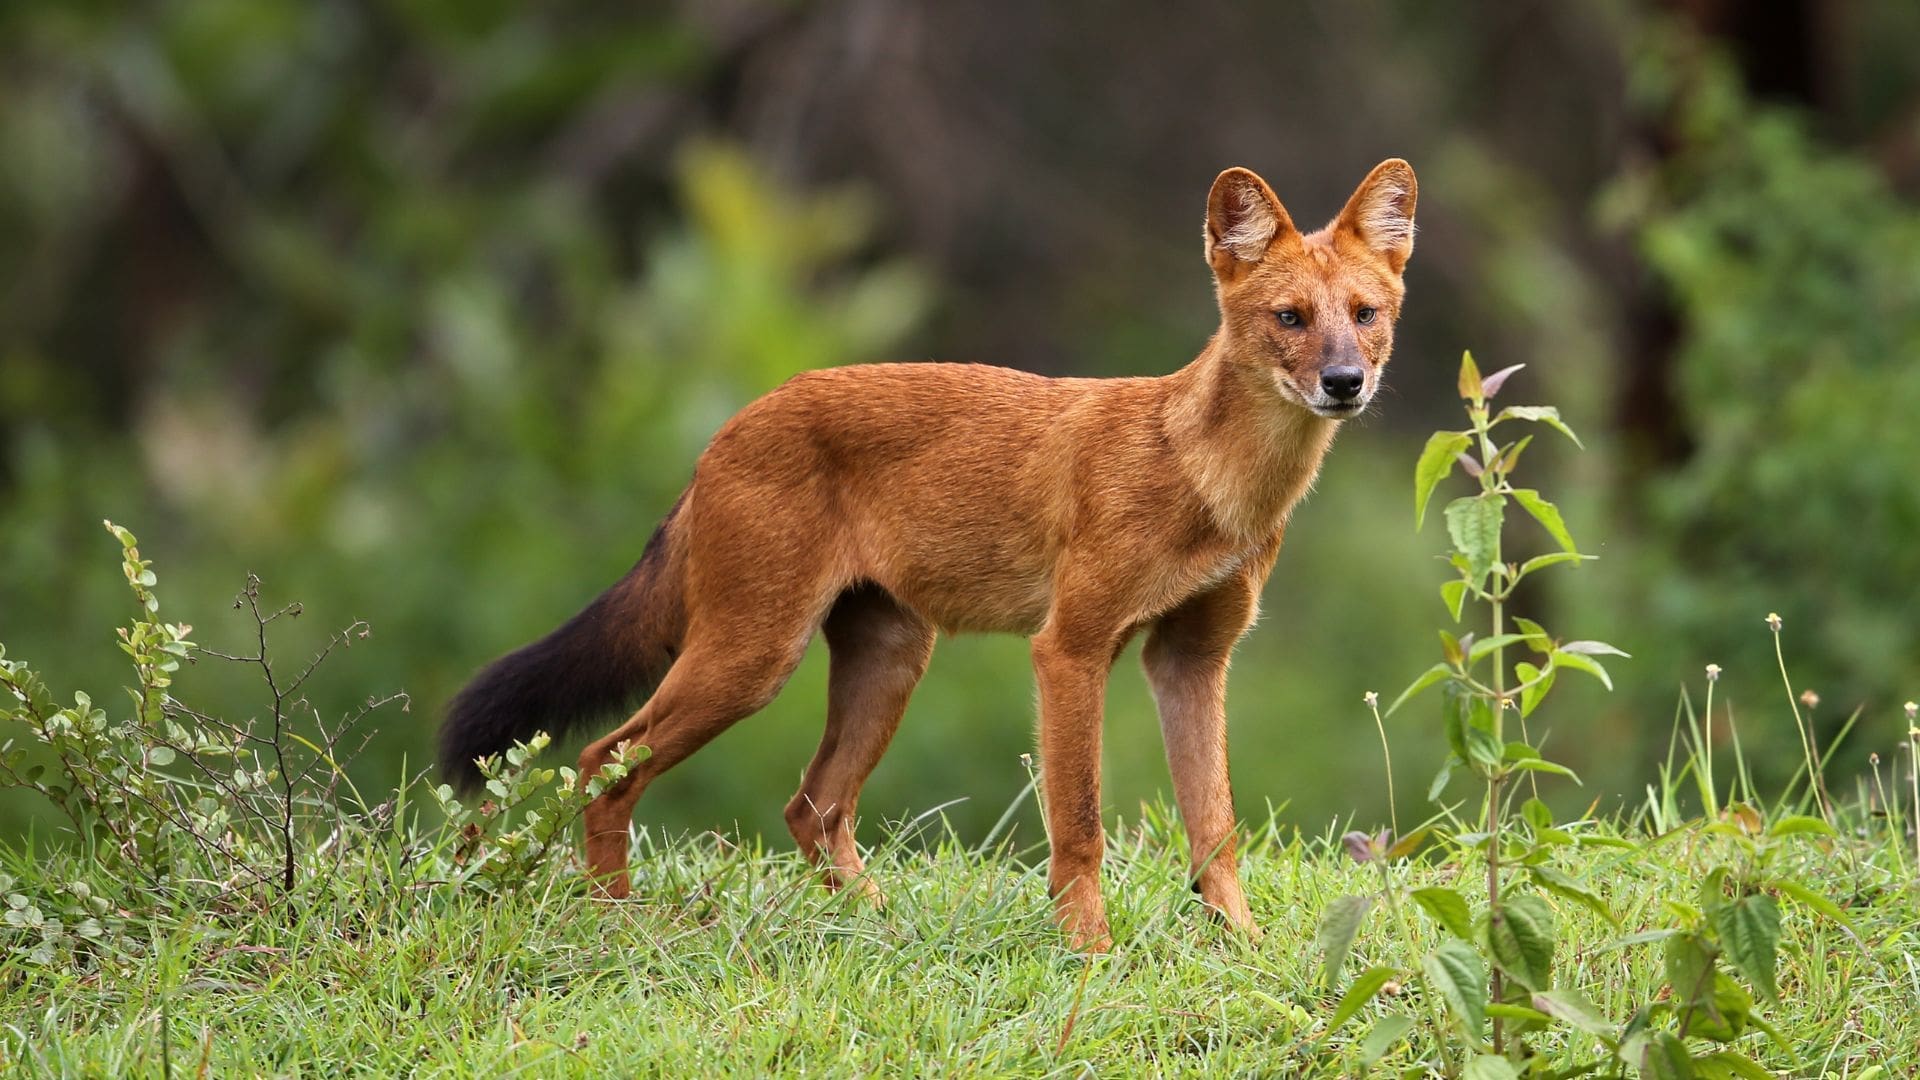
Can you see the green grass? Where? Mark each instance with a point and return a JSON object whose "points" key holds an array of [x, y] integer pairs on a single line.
{"points": [[731, 961]]}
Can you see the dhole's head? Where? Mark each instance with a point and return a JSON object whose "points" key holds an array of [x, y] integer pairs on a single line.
{"points": [[1312, 312]]}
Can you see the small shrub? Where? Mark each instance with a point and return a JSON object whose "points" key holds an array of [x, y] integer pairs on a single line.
{"points": [[1490, 985], [170, 803]]}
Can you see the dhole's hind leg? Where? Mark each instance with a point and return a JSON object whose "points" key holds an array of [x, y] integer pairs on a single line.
{"points": [[719, 680], [878, 651]]}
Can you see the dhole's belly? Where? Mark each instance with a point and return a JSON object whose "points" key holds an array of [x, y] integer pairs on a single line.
{"points": [[971, 586]]}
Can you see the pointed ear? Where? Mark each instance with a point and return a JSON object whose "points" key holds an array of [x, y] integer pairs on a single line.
{"points": [[1243, 220], [1380, 213]]}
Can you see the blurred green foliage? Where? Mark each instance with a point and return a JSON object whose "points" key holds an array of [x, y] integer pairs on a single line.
{"points": [[422, 311], [1795, 274]]}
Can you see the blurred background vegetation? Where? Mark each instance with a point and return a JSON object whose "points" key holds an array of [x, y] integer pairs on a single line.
{"points": [[422, 310]]}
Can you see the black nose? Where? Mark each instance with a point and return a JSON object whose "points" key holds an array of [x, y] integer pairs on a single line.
{"points": [[1343, 383]]}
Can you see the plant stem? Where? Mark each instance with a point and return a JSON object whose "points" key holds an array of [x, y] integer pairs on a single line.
{"points": [[1913, 779], [1806, 740], [1705, 737], [1490, 483], [1386, 752], [1431, 1000]]}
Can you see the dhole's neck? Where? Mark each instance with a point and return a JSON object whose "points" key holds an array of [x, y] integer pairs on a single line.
{"points": [[1249, 453]]}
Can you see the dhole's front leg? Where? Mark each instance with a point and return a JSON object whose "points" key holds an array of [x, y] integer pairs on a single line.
{"points": [[1072, 675], [1186, 661]]}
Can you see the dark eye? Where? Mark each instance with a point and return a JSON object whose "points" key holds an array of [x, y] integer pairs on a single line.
{"points": [[1363, 316], [1288, 317]]}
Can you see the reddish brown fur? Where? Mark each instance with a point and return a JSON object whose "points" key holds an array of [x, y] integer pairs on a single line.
{"points": [[880, 503]]}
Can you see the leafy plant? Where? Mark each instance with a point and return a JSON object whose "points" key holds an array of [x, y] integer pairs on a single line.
{"points": [[1490, 983], [499, 842], [240, 815]]}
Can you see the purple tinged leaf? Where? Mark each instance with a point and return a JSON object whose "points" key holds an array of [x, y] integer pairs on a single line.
{"points": [[1491, 384], [1359, 847]]}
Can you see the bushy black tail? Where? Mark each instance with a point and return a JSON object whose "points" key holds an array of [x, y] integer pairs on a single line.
{"points": [[603, 661]]}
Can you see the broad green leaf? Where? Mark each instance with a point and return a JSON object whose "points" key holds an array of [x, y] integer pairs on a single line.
{"points": [[1427, 678], [1384, 1036], [1573, 1007], [1545, 766], [160, 755], [1471, 387], [1533, 687], [1552, 558], [1454, 595], [1592, 648], [1473, 523], [1497, 641], [1580, 662], [1794, 824], [1490, 1067], [1689, 962], [1540, 414], [1548, 515], [1365, 986], [1522, 1014], [1537, 637], [1724, 1016], [1520, 935], [1799, 893], [1659, 1055], [1560, 884], [1436, 461], [1482, 748], [1537, 814], [1440, 778], [1454, 971], [1448, 908], [1749, 930], [1338, 927]]}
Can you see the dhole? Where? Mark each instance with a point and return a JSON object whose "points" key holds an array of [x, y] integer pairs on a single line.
{"points": [[882, 503]]}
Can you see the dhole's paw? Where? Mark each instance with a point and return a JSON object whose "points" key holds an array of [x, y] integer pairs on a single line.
{"points": [[1232, 910], [1091, 939], [857, 885], [1087, 933]]}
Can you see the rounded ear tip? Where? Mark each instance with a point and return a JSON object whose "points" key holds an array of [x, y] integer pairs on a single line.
{"points": [[1395, 165]]}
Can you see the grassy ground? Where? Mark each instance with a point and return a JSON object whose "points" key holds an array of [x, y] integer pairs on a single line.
{"points": [[731, 962]]}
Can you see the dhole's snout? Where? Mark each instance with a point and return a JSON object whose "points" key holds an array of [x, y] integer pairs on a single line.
{"points": [[1342, 391], [1343, 384]]}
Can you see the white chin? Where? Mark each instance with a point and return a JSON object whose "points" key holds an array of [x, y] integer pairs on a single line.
{"points": [[1333, 410]]}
